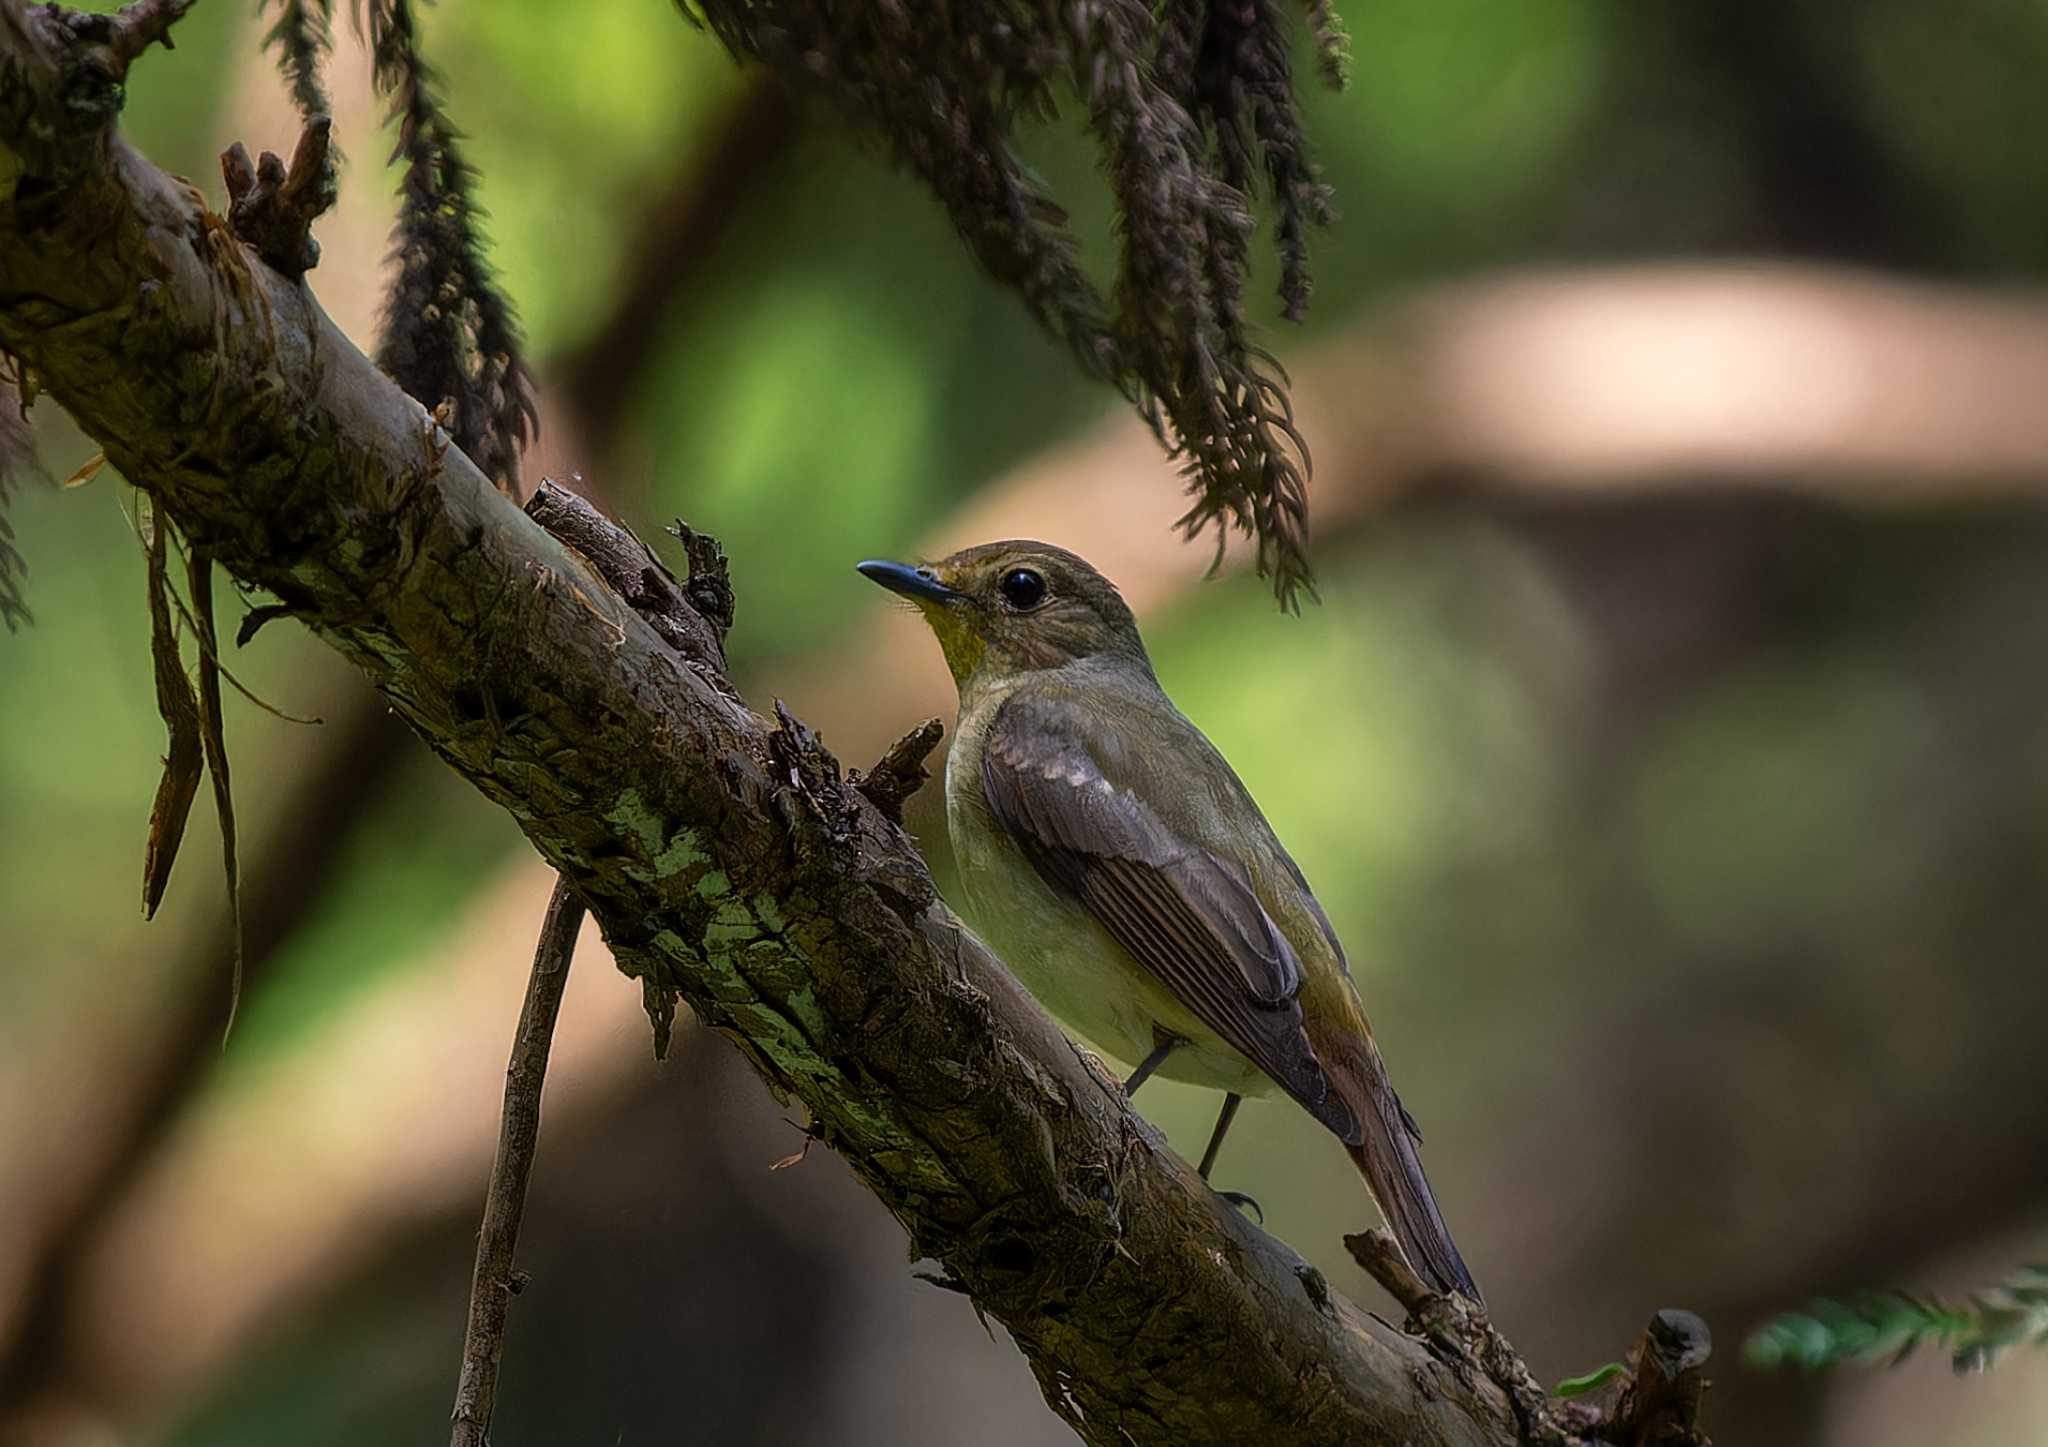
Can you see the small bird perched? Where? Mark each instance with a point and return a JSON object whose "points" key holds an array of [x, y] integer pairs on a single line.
{"points": [[1120, 868]]}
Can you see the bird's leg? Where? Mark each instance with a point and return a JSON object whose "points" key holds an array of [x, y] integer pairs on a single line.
{"points": [[1164, 1046], [1231, 1101], [1230, 1104]]}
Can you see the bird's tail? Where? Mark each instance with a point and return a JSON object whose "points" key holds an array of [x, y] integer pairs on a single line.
{"points": [[1387, 1158]]}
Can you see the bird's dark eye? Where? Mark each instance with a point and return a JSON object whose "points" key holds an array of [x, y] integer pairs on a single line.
{"points": [[1022, 589]]}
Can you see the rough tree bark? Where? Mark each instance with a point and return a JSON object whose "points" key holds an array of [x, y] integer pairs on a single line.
{"points": [[721, 852]]}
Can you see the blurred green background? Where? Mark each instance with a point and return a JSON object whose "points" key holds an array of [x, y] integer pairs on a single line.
{"points": [[1686, 816]]}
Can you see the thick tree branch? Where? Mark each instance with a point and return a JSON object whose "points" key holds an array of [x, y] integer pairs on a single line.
{"points": [[721, 853]]}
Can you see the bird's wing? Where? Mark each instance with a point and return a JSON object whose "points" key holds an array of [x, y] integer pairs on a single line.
{"points": [[1188, 916]]}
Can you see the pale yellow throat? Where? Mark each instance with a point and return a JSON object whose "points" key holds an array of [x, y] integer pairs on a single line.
{"points": [[962, 646]]}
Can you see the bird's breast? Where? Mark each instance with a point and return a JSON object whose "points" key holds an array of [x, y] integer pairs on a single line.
{"points": [[1055, 947]]}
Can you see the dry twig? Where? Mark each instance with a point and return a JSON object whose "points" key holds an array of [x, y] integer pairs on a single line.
{"points": [[1655, 1402], [901, 772], [273, 207], [496, 1281]]}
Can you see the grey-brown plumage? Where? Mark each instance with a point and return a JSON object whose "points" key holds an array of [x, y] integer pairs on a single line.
{"points": [[1119, 866], [1190, 917]]}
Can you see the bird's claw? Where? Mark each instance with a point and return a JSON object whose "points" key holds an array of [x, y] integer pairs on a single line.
{"points": [[1244, 1202]]}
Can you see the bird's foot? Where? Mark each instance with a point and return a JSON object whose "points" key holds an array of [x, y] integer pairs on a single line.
{"points": [[1246, 1204]]}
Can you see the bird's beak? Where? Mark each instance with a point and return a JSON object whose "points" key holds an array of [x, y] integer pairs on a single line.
{"points": [[920, 584]]}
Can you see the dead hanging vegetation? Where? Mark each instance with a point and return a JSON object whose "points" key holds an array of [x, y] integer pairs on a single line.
{"points": [[449, 333], [196, 741], [302, 36], [178, 704], [1192, 105], [17, 460], [189, 703], [450, 338]]}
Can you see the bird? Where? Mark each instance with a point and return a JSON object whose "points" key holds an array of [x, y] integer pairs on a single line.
{"points": [[1119, 867]]}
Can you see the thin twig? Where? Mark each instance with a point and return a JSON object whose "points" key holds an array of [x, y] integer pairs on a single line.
{"points": [[495, 1282], [145, 23]]}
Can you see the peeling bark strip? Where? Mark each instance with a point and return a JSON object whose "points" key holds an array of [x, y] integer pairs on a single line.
{"points": [[722, 854], [184, 752]]}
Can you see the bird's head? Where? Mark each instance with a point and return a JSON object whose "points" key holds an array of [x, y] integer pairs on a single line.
{"points": [[1006, 608]]}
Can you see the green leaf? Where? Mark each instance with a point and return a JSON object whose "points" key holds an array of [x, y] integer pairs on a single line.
{"points": [[1889, 1325], [1579, 1386]]}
